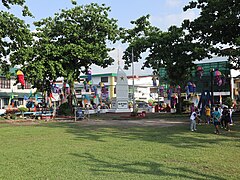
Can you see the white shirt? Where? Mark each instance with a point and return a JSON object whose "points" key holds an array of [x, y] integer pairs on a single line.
{"points": [[99, 108], [193, 116]]}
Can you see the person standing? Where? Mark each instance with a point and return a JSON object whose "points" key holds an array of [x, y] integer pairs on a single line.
{"points": [[231, 120], [226, 118], [98, 109], [216, 120], [220, 110], [87, 107], [193, 124], [208, 114]]}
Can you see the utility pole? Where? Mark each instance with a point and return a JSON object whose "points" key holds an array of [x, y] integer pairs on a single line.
{"points": [[158, 91], [133, 88], [212, 83]]}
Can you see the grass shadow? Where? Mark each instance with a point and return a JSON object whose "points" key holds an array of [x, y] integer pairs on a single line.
{"points": [[99, 166]]}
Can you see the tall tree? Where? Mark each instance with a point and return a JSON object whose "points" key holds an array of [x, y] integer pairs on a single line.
{"points": [[69, 43], [219, 25], [14, 33], [172, 50]]}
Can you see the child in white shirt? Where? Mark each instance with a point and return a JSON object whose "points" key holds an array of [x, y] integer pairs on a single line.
{"points": [[193, 117]]}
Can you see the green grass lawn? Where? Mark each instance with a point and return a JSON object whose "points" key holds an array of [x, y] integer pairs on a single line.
{"points": [[70, 151]]}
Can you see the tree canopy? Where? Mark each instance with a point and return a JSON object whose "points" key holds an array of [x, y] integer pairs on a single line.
{"points": [[69, 43], [25, 11], [14, 34], [172, 50], [218, 24]]}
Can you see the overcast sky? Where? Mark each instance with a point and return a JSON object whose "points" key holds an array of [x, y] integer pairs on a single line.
{"points": [[163, 13]]}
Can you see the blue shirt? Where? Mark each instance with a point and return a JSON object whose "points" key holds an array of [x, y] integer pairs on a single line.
{"points": [[216, 116]]}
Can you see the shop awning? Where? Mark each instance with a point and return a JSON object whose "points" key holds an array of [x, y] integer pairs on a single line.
{"points": [[16, 95]]}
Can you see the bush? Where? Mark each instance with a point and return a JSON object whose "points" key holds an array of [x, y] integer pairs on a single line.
{"points": [[135, 112], [23, 109], [13, 116], [65, 109]]}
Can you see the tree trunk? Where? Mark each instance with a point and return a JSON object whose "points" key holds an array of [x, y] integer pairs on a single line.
{"points": [[72, 97]]}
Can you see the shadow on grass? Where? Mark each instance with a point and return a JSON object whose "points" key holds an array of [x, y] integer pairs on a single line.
{"points": [[140, 168], [177, 136]]}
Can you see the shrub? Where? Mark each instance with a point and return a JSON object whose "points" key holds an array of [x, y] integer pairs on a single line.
{"points": [[13, 116], [65, 109], [23, 109]]}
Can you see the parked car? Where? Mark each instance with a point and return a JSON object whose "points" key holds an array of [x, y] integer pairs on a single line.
{"points": [[142, 106]]}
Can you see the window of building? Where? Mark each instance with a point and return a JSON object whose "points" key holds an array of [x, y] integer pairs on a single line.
{"points": [[27, 85], [5, 101], [104, 79], [4, 83], [78, 91], [20, 102]]}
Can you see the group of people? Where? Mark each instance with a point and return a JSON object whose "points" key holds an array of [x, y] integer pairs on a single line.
{"points": [[220, 117]]}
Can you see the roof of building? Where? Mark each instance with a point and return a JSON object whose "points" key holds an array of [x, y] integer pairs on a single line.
{"points": [[100, 75], [212, 60]]}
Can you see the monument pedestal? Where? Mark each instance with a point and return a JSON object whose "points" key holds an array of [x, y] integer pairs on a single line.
{"points": [[119, 105]]}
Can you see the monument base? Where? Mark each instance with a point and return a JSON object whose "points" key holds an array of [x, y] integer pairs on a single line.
{"points": [[119, 110]]}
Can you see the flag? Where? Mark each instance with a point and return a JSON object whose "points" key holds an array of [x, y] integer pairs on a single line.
{"points": [[11, 98], [25, 97], [20, 78], [30, 94]]}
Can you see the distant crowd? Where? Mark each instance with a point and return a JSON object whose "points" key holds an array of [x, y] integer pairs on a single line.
{"points": [[219, 116]]}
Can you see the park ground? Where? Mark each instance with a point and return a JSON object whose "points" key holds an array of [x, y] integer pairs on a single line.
{"points": [[111, 146]]}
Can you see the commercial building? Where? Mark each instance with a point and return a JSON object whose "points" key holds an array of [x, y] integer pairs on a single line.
{"points": [[216, 77], [213, 75]]}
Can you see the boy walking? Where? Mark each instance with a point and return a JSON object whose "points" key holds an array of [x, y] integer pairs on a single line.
{"points": [[226, 118]]}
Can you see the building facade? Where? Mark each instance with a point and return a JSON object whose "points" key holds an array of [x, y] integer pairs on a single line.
{"points": [[9, 91], [210, 75], [144, 89]]}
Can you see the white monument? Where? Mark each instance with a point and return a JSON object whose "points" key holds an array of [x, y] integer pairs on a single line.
{"points": [[120, 103]]}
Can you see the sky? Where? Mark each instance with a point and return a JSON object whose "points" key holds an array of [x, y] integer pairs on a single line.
{"points": [[163, 14]]}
